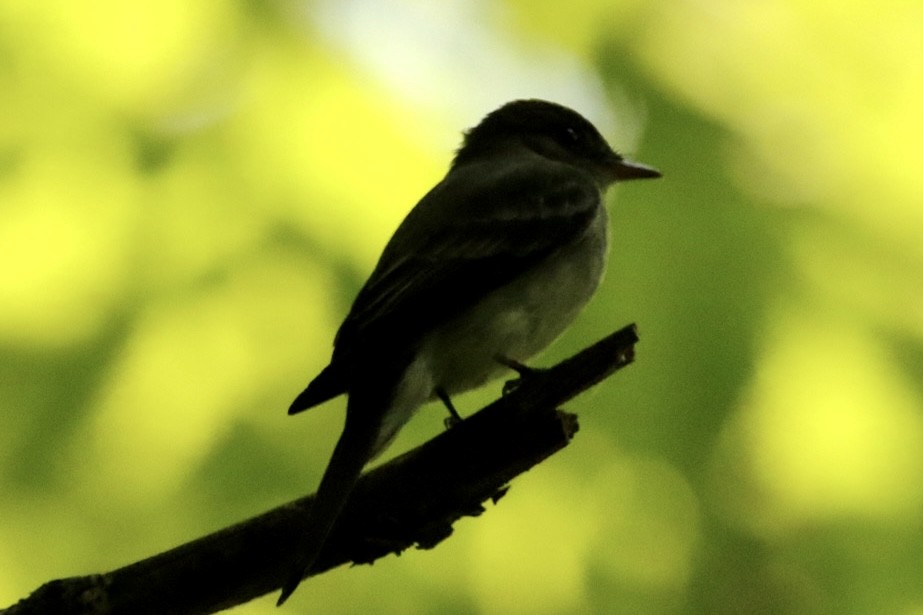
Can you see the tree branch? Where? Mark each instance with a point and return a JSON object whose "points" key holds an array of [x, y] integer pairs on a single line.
{"points": [[412, 500]]}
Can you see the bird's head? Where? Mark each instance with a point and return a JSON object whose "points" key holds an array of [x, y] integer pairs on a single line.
{"points": [[554, 132]]}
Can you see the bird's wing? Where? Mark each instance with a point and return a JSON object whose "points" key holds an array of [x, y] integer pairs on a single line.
{"points": [[444, 259], [472, 233]]}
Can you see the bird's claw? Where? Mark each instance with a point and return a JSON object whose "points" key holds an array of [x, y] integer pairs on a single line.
{"points": [[511, 385], [454, 417], [525, 372]]}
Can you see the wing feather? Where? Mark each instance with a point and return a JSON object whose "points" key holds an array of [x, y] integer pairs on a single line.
{"points": [[437, 266], [481, 227]]}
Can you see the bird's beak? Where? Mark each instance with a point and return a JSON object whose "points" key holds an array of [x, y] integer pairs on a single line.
{"points": [[624, 170]]}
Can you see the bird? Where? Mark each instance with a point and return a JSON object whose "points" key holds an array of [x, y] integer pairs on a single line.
{"points": [[488, 268]]}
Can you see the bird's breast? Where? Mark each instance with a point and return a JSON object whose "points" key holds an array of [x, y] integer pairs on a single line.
{"points": [[519, 319], [514, 321]]}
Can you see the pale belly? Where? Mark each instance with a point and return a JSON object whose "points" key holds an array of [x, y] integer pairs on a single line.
{"points": [[516, 321]]}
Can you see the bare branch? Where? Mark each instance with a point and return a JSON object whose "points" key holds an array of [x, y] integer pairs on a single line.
{"points": [[412, 500]]}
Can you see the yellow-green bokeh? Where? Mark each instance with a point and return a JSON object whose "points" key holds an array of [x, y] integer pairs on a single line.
{"points": [[191, 194]]}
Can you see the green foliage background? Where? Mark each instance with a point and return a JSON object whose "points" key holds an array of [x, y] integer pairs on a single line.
{"points": [[192, 192]]}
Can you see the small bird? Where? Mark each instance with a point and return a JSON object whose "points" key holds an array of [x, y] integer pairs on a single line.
{"points": [[484, 272]]}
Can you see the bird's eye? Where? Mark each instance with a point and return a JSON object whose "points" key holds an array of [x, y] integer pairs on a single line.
{"points": [[572, 135]]}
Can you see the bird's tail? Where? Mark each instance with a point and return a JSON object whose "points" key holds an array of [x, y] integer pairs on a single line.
{"points": [[353, 450], [326, 385]]}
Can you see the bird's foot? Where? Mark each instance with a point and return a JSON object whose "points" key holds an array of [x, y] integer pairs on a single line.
{"points": [[454, 417], [525, 372]]}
